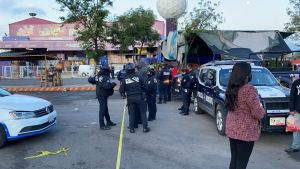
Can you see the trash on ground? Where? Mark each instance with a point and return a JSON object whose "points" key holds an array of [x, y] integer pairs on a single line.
{"points": [[47, 153]]}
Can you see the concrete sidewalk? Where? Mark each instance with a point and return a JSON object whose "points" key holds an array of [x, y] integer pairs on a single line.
{"points": [[33, 85]]}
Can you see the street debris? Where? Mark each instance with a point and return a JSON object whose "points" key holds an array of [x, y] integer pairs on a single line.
{"points": [[47, 153]]}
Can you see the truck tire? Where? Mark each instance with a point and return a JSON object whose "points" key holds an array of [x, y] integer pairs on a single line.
{"points": [[2, 137], [197, 108], [221, 119]]}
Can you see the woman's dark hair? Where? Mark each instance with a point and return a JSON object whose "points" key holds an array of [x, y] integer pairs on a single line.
{"points": [[240, 72]]}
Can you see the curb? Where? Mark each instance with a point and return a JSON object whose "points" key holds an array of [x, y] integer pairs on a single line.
{"points": [[51, 89]]}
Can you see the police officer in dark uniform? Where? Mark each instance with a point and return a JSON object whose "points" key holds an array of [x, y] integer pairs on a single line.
{"points": [[121, 76], [104, 89], [165, 78], [135, 86], [170, 84], [151, 94], [141, 71], [186, 84]]}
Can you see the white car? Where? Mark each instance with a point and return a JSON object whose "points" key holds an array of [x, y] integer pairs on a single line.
{"points": [[23, 116]]}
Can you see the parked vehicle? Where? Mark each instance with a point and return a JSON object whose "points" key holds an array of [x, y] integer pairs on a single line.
{"points": [[118, 68], [86, 70], [285, 77], [23, 116], [212, 83]]}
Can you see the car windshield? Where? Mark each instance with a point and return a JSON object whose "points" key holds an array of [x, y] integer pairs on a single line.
{"points": [[4, 93], [260, 77]]}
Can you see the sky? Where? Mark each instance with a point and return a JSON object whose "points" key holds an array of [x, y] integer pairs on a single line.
{"points": [[238, 14]]}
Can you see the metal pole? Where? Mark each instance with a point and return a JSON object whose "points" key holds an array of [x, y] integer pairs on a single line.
{"points": [[45, 62], [293, 66], [185, 54]]}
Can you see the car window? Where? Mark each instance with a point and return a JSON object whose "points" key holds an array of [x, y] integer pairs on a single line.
{"points": [[260, 77], [203, 75], [4, 93], [208, 76]]}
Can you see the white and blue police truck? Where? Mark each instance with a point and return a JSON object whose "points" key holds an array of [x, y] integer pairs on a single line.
{"points": [[213, 78], [23, 116]]}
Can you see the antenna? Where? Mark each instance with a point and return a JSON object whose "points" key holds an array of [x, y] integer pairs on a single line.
{"points": [[32, 14]]}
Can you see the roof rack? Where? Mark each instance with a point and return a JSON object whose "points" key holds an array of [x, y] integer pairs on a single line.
{"points": [[232, 62]]}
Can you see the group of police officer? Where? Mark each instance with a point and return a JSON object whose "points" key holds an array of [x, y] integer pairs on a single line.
{"points": [[139, 85]]}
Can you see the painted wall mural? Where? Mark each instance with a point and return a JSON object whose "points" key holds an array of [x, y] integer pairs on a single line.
{"points": [[43, 30]]}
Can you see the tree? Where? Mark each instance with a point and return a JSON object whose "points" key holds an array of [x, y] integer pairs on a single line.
{"points": [[134, 28], [294, 13], [90, 19], [203, 17]]}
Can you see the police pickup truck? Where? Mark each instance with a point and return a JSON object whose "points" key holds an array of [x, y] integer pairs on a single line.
{"points": [[213, 78]]}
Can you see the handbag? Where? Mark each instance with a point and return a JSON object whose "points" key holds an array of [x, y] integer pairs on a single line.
{"points": [[293, 123]]}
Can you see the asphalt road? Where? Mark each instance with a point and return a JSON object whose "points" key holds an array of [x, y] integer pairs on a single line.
{"points": [[175, 141]]}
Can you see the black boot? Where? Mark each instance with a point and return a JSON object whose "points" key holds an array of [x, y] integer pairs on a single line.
{"points": [[146, 130], [105, 127], [111, 123], [136, 127]]}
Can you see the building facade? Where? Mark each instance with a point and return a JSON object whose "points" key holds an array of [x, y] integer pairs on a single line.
{"points": [[35, 36]]}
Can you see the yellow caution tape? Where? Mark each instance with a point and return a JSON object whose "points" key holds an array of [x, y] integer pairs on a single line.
{"points": [[47, 153], [121, 138]]}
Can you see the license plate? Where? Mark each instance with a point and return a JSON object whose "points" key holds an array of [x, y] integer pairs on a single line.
{"points": [[277, 121]]}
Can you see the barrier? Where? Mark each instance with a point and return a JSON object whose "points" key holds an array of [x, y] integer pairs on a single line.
{"points": [[51, 89]]}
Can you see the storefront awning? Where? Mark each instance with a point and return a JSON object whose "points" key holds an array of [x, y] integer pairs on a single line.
{"points": [[23, 56]]}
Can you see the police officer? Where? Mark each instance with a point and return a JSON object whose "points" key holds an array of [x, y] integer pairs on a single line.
{"points": [[170, 84], [121, 76], [165, 78], [135, 86], [186, 84], [104, 89], [151, 94], [141, 71], [112, 72]]}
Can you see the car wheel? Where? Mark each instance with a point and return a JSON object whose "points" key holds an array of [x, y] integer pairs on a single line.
{"points": [[83, 74], [197, 108], [2, 137], [221, 119]]}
